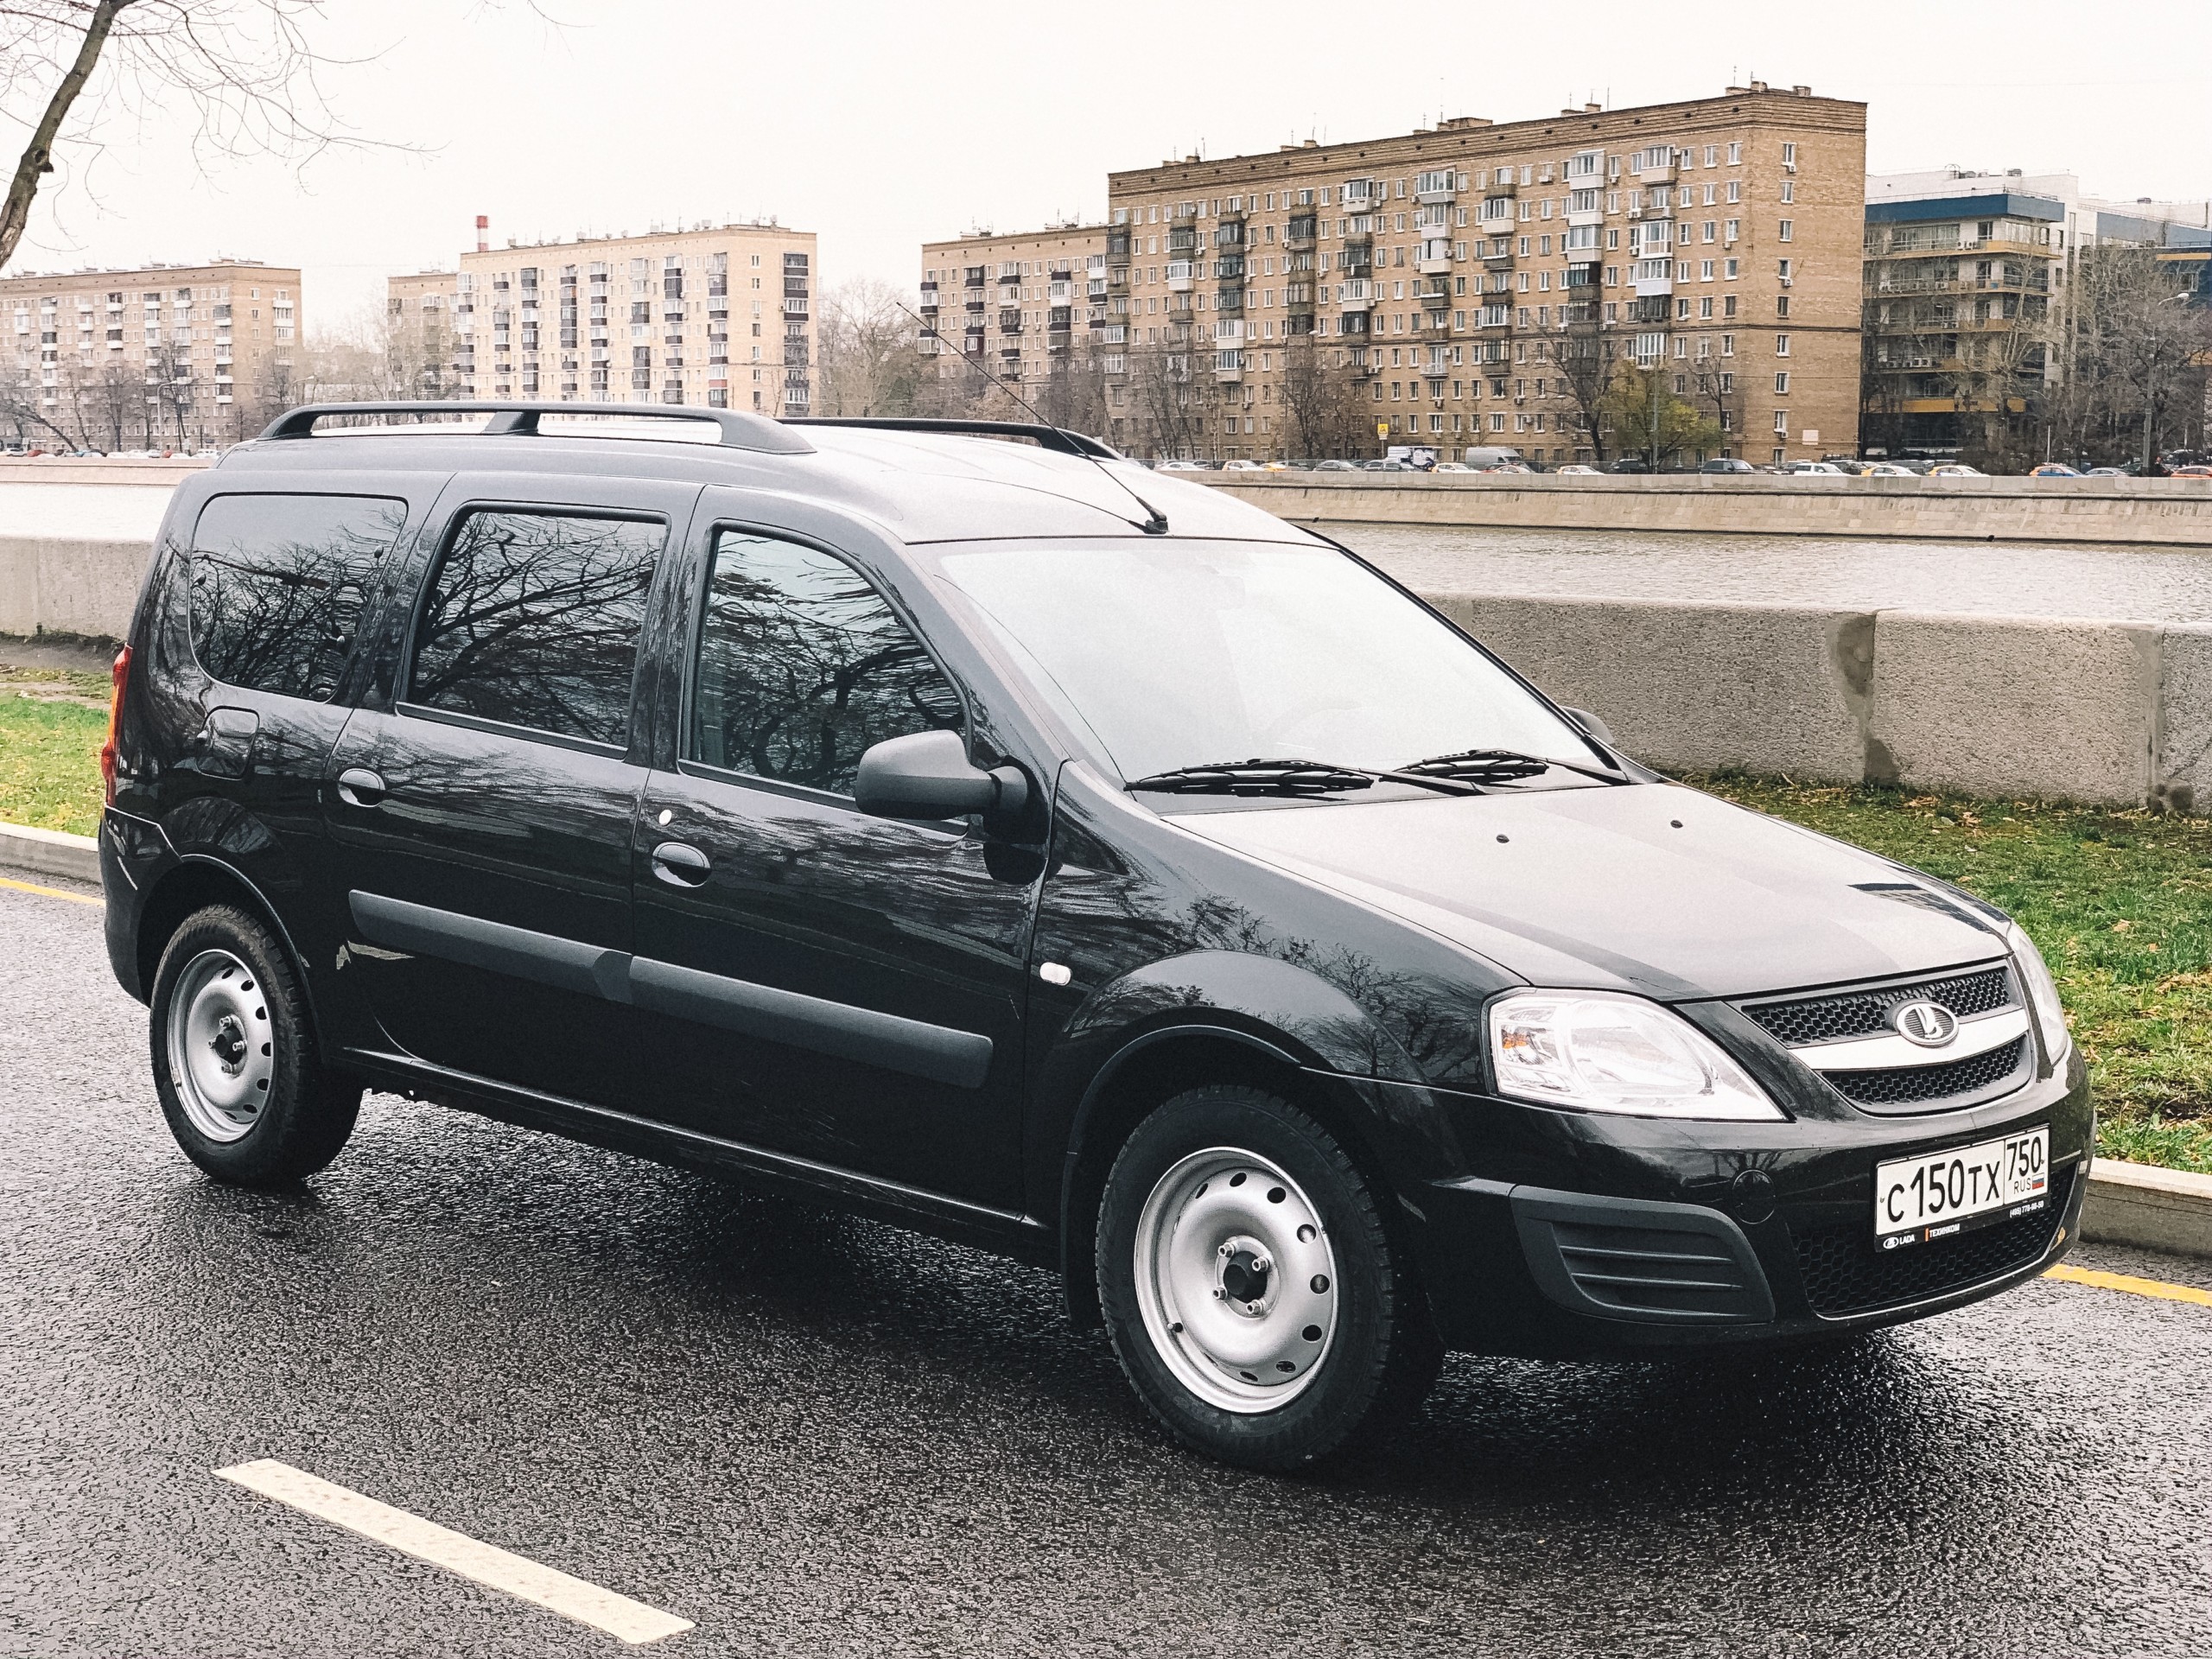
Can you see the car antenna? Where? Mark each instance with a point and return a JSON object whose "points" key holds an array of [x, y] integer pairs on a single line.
{"points": [[1154, 523]]}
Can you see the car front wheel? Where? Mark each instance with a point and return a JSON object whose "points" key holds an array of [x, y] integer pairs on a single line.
{"points": [[234, 1058], [1253, 1293]]}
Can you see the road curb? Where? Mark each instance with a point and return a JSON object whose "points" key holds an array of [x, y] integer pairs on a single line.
{"points": [[49, 852], [2148, 1208]]}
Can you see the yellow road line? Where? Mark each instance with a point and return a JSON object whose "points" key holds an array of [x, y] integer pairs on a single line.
{"points": [[50, 892], [629, 1621], [2157, 1288]]}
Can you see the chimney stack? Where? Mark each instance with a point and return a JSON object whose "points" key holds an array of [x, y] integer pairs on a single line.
{"points": [[483, 233]]}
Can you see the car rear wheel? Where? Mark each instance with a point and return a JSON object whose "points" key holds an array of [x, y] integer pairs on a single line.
{"points": [[234, 1058], [1253, 1295]]}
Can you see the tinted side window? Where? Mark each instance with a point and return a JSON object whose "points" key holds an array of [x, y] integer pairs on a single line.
{"points": [[533, 619], [803, 665], [278, 583]]}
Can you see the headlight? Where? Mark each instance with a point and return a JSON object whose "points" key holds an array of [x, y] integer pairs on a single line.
{"points": [[1603, 1051], [2043, 992]]}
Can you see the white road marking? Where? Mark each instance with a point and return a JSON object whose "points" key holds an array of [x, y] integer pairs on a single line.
{"points": [[603, 1609]]}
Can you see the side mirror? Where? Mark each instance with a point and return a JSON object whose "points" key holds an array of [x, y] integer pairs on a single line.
{"points": [[1582, 717], [928, 775]]}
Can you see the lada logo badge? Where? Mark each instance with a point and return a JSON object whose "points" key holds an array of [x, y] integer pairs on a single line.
{"points": [[1929, 1024]]}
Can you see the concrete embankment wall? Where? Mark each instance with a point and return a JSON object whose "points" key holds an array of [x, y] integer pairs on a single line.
{"points": [[2118, 712], [2154, 512], [1999, 706]]}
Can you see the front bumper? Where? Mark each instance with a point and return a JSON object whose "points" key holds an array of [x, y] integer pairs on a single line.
{"points": [[1614, 1235]]}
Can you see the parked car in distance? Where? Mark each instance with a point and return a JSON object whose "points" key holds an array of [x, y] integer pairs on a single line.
{"points": [[2195, 469], [1726, 464], [1184, 466], [1576, 469], [1333, 465], [1628, 464], [1955, 469], [1242, 466], [1511, 467], [1812, 469], [2107, 472], [1387, 465], [1886, 469], [867, 814], [1283, 467], [2053, 470]]}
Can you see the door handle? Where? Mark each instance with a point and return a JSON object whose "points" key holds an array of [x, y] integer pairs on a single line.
{"points": [[359, 786], [680, 865]]}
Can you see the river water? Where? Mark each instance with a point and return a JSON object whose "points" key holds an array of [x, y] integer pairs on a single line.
{"points": [[1988, 578], [1991, 578]]}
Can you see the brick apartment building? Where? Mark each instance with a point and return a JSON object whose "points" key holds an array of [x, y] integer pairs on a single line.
{"points": [[719, 316], [1018, 306], [1441, 273], [180, 357]]}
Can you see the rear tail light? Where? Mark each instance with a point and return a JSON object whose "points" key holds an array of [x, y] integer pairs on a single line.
{"points": [[119, 679]]}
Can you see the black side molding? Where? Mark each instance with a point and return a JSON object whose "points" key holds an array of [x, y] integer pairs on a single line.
{"points": [[961, 1058], [567, 965]]}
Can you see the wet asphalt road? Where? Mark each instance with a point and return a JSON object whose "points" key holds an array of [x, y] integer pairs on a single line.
{"points": [[817, 1435]]}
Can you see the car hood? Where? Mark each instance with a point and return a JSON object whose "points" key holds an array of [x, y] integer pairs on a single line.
{"points": [[1650, 889]]}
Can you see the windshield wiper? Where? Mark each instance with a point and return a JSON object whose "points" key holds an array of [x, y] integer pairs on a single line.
{"points": [[1292, 778], [1496, 767]]}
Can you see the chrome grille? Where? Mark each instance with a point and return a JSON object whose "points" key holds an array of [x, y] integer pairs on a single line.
{"points": [[1915, 1085]]}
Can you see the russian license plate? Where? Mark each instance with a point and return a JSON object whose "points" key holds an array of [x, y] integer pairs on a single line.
{"points": [[1940, 1193]]}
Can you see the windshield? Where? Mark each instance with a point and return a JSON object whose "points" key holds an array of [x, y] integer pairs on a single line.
{"points": [[1182, 653]]}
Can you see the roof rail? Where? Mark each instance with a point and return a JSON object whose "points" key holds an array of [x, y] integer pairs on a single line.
{"points": [[740, 429], [1048, 437]]}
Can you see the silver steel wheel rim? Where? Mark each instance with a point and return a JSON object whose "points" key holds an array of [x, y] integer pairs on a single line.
{"points": [[1244, 1342], [221, 1050]]}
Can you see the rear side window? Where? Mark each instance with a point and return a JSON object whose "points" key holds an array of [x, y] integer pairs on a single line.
{"points": [[803, 665], [278, 584], [533, 620]]}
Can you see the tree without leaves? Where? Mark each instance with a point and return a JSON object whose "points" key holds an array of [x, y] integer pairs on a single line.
{"points": [[244, 67], [1322, 402], [1583, 358], [869, 362]]}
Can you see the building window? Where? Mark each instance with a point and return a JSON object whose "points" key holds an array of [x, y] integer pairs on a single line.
{"points": [[1782, 305], [1730, 269], [1789, 190], [1790, 155], [1728, 345], [1781, 345], [1781, 424], [1784, 228], [1782, 386]]}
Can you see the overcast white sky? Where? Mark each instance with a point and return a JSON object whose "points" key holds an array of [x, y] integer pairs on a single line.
{"points": [[881, 123]]}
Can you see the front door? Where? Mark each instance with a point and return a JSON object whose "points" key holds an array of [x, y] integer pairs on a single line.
{"points": [[821, 984], [484, 817]]}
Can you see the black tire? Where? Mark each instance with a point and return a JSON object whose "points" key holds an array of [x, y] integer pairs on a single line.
{"points": [[1380, 1353], [226, 989]]}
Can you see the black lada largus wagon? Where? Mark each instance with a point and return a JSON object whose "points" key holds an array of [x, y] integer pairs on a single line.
{"points": [[974, 828]]}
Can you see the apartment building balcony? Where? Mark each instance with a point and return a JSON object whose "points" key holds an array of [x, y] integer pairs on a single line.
{"points": [[1229, 299], [1356, 293], [1299, 233], [1299, 296], [1440, 184], [929, 296], [795, 307], [1362, 195], [1362, 361], [1057, 340], [1182, 276], [1433, 259], [1117, 245], [1095, 290], [1009, 322], [1228, 367], [1182, 243], [1060, 316], [1060, 291]]}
